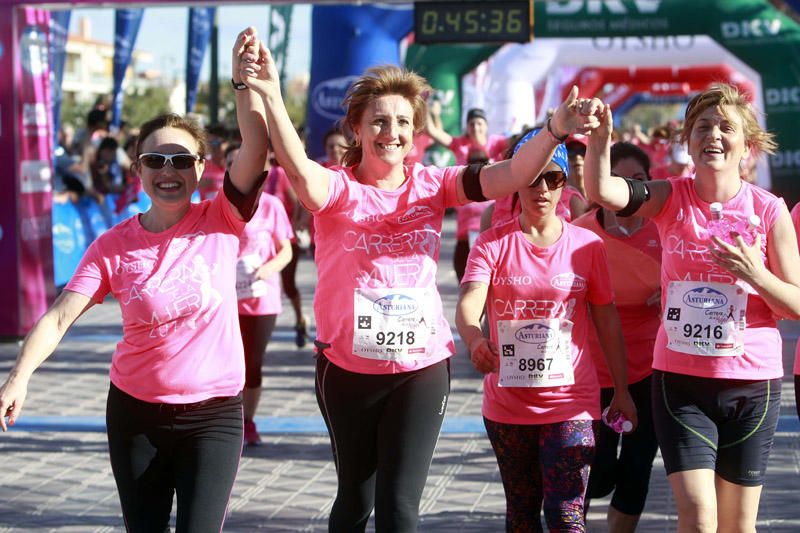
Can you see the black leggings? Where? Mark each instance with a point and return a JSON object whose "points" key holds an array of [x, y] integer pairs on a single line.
{"points": [[256, 333], [626, 473], [797, 394], [158, 450], [288, 274], [383, 431]]}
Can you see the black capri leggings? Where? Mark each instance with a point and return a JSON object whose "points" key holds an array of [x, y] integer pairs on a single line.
{"points": [[383, 431], [158, 450], [256, 333], [288, 274], [627, 473]]}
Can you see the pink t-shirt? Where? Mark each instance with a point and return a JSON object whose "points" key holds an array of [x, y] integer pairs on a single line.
{"points": [[462, 145], [529, 282], [278, 185], [176, 289], [687, 257], [383, 246], [258, 244], [563, 208], [662, 173], [796, 220], [468, 218], [635, 266]]}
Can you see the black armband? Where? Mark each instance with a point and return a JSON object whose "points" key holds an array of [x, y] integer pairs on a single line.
{"points": [[472, 182], [245, 203], [638, 193]]}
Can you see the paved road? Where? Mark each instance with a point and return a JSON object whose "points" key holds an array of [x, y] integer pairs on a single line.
{"points": [[55, 474]]}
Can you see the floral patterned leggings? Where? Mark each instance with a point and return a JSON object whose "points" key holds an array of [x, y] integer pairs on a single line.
{"points": [[543, 466]]}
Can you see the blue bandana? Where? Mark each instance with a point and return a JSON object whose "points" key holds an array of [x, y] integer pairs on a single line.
{"points": [[559, 157]]}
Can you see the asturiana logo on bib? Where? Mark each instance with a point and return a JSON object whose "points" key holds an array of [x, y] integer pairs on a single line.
{"points": [[395, 305], [569, 282], [415, 213], [534, 334], [705, 298]]}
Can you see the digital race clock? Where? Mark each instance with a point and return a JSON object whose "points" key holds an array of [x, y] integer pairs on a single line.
{"points": [[472, 22]]}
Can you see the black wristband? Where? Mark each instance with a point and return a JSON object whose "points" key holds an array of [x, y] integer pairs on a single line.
{"points": [[472, 183], [556, 137], [638, 193], [239, 86]]}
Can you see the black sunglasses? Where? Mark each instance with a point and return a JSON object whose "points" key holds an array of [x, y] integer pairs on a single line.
{"points": [[553, 178], [178, 161]]}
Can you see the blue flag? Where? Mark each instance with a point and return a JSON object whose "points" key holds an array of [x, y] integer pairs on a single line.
{"points": [[59, 28], [126, 28], [200, 21]]}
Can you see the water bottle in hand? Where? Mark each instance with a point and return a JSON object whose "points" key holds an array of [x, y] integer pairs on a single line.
{"points": [[618, 423], [718, 226], [747, 229]]}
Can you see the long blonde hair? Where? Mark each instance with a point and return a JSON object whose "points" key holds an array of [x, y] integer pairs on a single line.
{"points": [[381, 81]]}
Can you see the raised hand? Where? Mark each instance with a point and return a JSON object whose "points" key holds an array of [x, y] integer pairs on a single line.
{"points": [[577, 115]]}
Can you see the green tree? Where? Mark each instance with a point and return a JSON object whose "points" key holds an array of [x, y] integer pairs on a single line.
{"points": [[143, 104]]}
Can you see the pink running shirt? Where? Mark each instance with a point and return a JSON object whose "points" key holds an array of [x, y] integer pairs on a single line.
{"points": [[370, 240], [468, 218], [796, 220], [686, 257], [527, 282], [258, 244], [635, 266], [176, 290], [462, 145]]}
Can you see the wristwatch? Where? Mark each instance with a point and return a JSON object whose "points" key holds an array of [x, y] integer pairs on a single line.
{"points": [[239, 86]]}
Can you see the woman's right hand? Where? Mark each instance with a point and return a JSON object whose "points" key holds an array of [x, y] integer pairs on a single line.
{"points": [[576, 115], [12, 396], [483, 354], [253, 64]]}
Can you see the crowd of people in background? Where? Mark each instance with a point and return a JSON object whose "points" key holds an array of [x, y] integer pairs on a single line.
{"points": [[560, 237]]}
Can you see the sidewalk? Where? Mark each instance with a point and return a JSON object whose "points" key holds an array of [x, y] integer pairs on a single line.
{"points": [[56, 475]]}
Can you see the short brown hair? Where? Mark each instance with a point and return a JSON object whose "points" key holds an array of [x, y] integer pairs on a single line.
{"points": [[721, 95], [382, 81], [172, 120]]}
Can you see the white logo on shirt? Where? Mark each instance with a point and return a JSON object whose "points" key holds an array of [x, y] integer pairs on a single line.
{"points": [[415, 213], [525, 309], [568, 281]]}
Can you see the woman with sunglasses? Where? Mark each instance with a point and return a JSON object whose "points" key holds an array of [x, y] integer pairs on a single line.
{"points": [[634, 260], [717, 364], [545, 284], [174, 411], [383, 343]]}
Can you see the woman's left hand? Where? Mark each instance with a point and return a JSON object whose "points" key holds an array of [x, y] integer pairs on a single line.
{"points": [[741, 260]]}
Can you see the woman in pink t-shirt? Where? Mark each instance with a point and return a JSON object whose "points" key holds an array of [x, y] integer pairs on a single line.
{"points": [[538, 278], [718, 356], [383, 343], [634, 257], [174, 414]]}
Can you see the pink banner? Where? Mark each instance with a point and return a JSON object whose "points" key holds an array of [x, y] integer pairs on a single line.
{"points": [[28, 206]]}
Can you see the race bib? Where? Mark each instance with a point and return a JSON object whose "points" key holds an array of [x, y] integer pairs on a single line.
{"points": [[246, 284], [705, 318], [392, 324], [535, 353]]}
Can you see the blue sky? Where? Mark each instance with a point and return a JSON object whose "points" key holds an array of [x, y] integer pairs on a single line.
{"points": [[163, 33]]}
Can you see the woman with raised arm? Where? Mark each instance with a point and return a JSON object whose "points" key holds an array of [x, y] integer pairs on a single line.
{"points": [[174, 412], [545, 286], [383, 343], [717, 360]]}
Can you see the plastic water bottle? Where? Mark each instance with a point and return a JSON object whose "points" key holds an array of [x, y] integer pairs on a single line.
{"points": [[747, 229], [718, 226], [619, 423]]}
